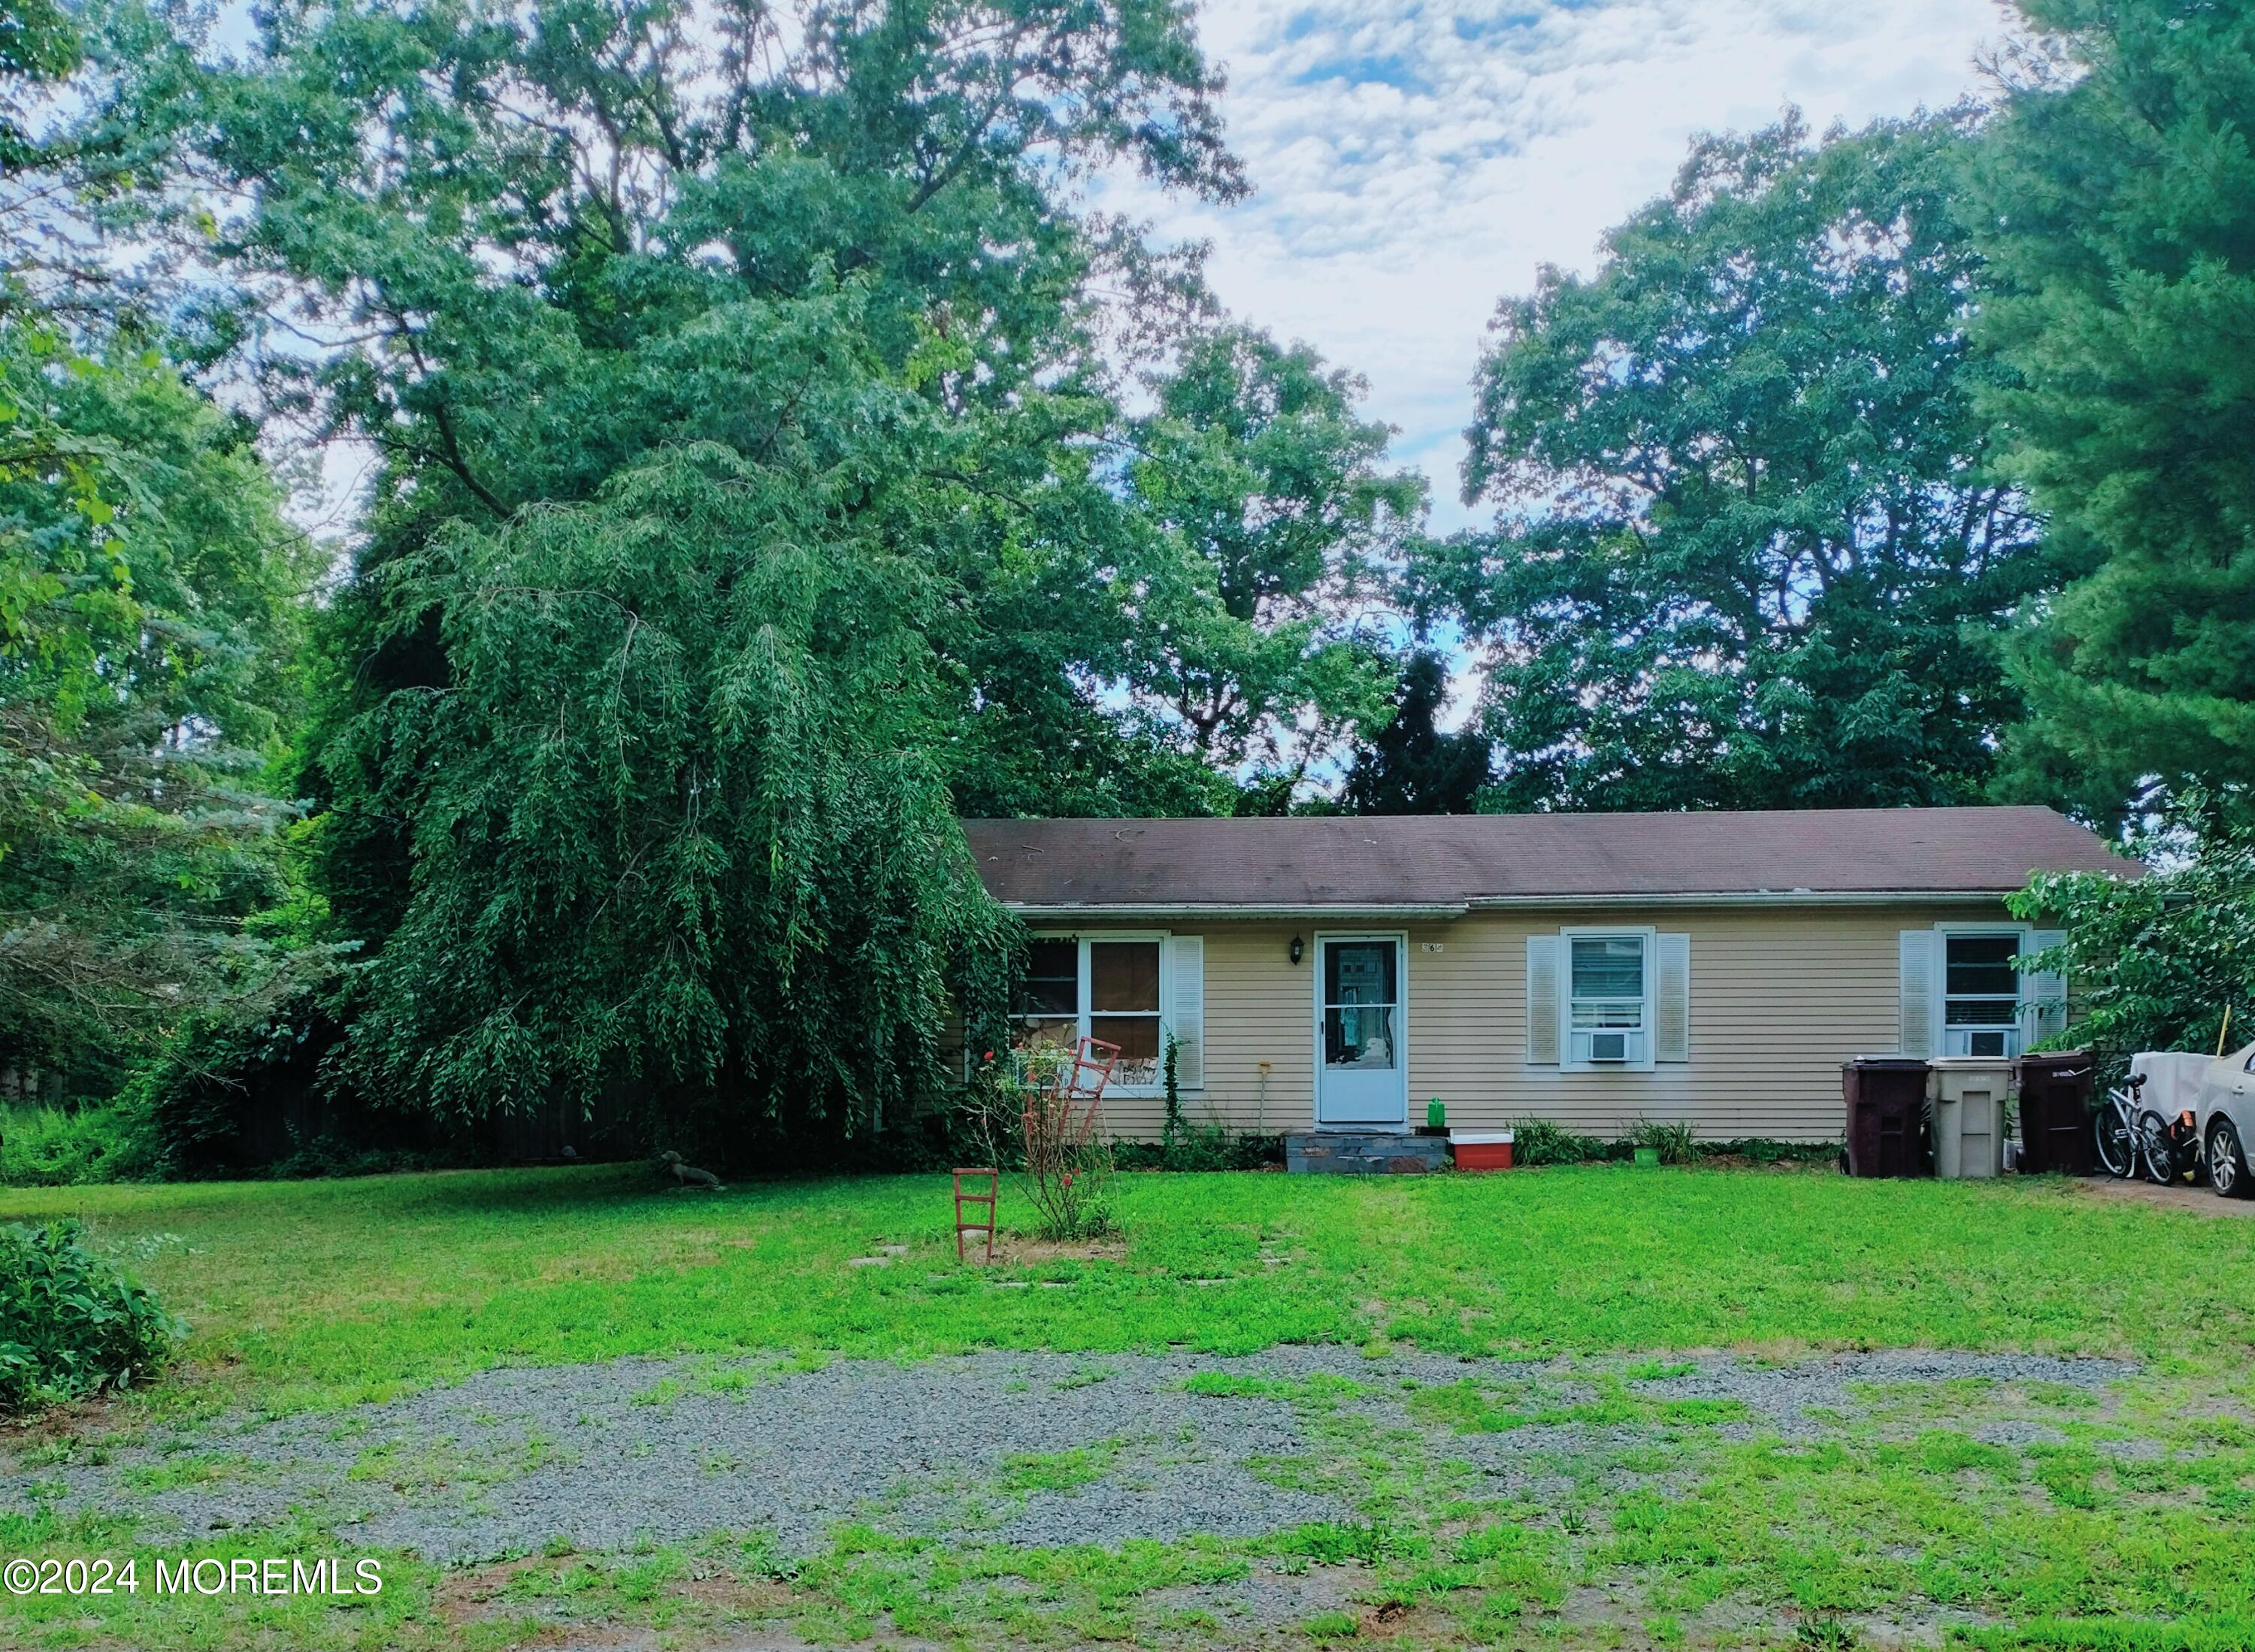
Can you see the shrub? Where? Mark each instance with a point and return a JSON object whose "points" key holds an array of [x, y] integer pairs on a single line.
{"points": [[2159, 963], [1761, 1150], [1202, 1147], [1673, 1141], [58, 1147], [1540, 1141], [1068, 1164], [72, 1323]]}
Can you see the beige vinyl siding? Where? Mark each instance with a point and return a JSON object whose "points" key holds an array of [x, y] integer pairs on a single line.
{"points": [[1779, 997]]}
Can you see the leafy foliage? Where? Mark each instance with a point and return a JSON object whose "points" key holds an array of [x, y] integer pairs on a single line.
{"points": [[525, 231], [1019, 1110], [672, 816], [2158, 961], [39, 45], [48, 1146], [2115, 203], [72, 1323], [1256, 461], [1673, 1139], [149, 611], [1538, 1142], [1753, 551], [747, 509]]}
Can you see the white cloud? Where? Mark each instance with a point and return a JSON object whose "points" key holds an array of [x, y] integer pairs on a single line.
{"points": [[1414, 163]]}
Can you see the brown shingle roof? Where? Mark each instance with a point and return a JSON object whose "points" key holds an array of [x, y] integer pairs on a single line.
{"points": [[1452, 861]]}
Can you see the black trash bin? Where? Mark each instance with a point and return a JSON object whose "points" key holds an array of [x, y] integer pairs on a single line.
{"points": [[1885, 1096], [2055, 1130]]}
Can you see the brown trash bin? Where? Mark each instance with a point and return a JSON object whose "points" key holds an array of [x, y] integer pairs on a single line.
{"points": [[1886, 1097], [2055, 1129]]}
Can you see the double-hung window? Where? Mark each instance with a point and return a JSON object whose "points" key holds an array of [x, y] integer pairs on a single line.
{"points": [[1608, 1003], [1107, 988], [1981, 994]]}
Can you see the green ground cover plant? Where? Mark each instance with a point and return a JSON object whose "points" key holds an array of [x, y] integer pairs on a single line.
{"points": [[48, 1146], [72, 1322]]}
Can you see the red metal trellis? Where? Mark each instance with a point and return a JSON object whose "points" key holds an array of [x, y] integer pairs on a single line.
{"points": [[990, 1198]]}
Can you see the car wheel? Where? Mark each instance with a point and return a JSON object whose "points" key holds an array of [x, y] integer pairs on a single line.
{"points": [[2227, 1161]]}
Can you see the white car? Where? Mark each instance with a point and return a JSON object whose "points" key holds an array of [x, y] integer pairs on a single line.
{"points": [[2225, 1112]]}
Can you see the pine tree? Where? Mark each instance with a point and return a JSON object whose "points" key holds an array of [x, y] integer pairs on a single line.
{"points": [[2114, 199]]}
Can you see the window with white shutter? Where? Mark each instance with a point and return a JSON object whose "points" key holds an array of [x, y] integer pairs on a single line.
{"points": [[1671, 1024], [2043, 992], [1117, 986], [1186, 1023], [1915, 976], [1542, 1001]]}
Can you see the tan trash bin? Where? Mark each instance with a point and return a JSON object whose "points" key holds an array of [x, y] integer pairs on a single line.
{"points": [[1969, 1094]]}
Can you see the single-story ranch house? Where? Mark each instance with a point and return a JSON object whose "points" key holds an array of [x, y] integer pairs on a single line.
{"points": [[1336, 973]]}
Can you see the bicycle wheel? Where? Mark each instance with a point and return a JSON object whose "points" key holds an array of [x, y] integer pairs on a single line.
{"points": [[2117, 1141], [2158, 1149]]}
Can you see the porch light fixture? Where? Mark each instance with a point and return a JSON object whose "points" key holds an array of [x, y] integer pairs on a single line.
{"points": [[1297, 948]]}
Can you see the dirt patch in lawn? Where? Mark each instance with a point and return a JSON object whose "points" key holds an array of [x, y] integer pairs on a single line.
{"points": [[1017, 1251]]}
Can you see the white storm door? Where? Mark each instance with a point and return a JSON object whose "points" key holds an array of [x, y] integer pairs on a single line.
{"points": [[1362, 1072]]}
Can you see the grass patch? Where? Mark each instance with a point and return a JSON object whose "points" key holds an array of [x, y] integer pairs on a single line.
{"points": [[1320, 1388], [1058, 1471], [1475, 1406], [320, 1293]]}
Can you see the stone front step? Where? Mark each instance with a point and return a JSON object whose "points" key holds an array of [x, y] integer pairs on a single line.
{"points": [[1365, 1153]]}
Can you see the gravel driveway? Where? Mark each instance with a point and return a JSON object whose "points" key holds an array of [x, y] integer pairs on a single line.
{"points": [[1014, 1448]]}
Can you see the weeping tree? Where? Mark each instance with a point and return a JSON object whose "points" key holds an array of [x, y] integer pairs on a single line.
{"points": [[736, 376], [672, 816]]}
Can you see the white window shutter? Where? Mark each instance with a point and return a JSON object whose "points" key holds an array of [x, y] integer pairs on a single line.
{"points": [[2043, 992], [1672, 1000], [1186, 1023], [1917, 981], [1542, 1001]]}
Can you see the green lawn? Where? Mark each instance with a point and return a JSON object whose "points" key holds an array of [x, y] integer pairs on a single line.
{"points": [[312, 1295], [319, 1292]]}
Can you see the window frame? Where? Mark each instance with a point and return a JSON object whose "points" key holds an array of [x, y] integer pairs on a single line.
{"points": [[1083, 992], [1648, 1030], [2017, 1028]]}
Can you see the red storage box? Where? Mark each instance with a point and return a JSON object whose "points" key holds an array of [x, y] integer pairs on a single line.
{"points": [[1480, 1150]]}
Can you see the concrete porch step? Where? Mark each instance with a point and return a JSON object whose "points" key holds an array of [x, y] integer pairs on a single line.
{"points": [[1365, 1153]]}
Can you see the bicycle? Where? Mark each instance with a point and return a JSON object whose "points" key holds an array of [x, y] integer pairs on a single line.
{"points": [[2117, 1127], [2171, 1146]]}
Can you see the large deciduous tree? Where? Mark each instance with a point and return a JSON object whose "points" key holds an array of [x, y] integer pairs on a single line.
{"points": [[2114, 199], [747, 504], [1253, 458], [150, 605], [150, 608], [1752, 549]]}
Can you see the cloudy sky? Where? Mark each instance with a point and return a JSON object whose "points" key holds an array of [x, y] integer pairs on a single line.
{"points": [[1414, 160]]}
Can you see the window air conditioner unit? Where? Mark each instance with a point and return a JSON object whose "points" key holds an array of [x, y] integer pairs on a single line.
{"points": [[1608, 1046]]}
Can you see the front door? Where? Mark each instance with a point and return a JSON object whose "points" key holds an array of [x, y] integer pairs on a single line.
{"points": [[1361, 1075]]}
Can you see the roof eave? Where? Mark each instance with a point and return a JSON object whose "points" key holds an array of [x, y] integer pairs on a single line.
{"points": [[1444, 909], [1235, 910], [1746, 898]]}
